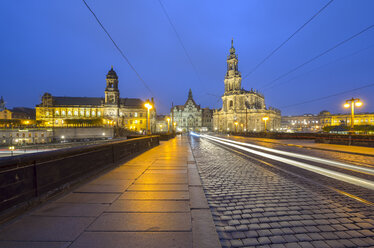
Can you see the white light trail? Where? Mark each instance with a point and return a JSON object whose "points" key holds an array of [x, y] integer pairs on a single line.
{"points": [[325, 172], [305, 157]]}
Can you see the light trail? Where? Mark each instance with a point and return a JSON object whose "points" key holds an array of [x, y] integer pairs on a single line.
{"points": [[306, 157], [322, 171]]}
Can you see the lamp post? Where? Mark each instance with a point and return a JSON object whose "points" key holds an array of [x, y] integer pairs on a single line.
{"points": [[352, 103], [11, 148], [265, 119], [149, 106], [236, 126], [168, 119], [175, 125]]}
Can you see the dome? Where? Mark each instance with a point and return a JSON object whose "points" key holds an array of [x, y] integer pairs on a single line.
{"points": [[112, 74]]}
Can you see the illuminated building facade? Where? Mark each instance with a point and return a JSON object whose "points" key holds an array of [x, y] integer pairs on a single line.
{"points": [[301, 123], [316, 123], [328, 119], [191, 117], [129, 113], [242, 110]]}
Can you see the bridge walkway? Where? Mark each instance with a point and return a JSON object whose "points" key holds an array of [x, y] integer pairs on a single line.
{"points": [[154, 200]]}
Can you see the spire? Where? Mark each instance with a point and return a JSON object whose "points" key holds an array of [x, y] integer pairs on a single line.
{"points": [[232, 49], [190, 94]]}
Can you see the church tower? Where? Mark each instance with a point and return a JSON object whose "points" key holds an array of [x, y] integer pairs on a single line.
{"points": [[233, 78], [111, 90]]}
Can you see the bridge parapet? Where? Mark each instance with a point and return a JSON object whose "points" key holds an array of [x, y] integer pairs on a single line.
{"points": [[29, 178]]}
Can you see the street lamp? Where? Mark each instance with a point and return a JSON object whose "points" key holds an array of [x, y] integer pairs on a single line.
{"points": [[11, 148], [265, 119], [168, 119], [352, 103], [236, 126], [149, 106], [175, 125]]}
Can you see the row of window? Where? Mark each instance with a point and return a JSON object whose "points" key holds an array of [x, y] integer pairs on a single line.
{"points": [[23, 135], [348, 121], [304, 121], [81, 113], [87, 113]]}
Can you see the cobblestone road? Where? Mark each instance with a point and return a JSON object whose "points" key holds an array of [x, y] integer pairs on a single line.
{"points": [[254, 206]]}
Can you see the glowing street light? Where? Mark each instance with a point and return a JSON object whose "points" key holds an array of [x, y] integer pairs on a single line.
{"points": [[265, 119], [149, 106], [236, 126], [168, 119], [11, 148], [352, 103]]}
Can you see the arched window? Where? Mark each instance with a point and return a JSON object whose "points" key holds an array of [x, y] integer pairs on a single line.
{"points": [[231, 104]]}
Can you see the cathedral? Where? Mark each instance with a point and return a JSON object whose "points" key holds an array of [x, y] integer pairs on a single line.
{"points": [[242, 110], [129, 113]]}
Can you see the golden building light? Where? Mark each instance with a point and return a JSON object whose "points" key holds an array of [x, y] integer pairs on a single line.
{"points": [[265, 119]]}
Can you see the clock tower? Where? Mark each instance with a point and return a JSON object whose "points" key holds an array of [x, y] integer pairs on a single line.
{"points": [[111, 90]]}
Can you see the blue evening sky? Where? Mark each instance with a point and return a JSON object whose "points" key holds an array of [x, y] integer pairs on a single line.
{"points": [[58, 47]]}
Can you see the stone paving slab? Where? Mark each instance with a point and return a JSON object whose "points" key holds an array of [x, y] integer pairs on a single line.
{"points": [[42, 228], [17, 244], [158, 187], [149, 206], [89, 198], [134, 239], [68, 209], [163, 195], [142, 222], [103, 188]]}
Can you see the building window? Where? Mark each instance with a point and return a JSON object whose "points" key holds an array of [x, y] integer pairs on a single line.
{"points": [[63, 113], [130, 121], [93, 113], [135, 114], [141, 121], [141, 114], [47, 113], [98, 113], [76, 113], [130, 115], [136, 121], [87, 113], [69, 113], [57, 113], [81, 113]]}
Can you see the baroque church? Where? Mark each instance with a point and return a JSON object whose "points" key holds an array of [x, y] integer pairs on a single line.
{"points": [[191, 117], [129, 113], [242, 110]]}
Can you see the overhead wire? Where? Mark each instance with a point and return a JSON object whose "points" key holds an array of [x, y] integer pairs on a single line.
{"points": [[119, 49], [321, 66], [179, 39], [289, 38], [329, 96], [318, 56]]}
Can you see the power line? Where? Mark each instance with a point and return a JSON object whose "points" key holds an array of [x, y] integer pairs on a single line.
{"points": [[325, 97], [290, 37], [319, 67], [179, 39], [319, 55], [120, 51]]}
